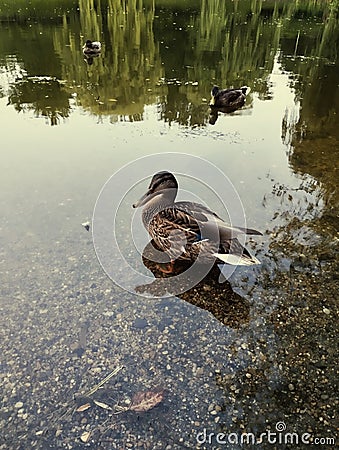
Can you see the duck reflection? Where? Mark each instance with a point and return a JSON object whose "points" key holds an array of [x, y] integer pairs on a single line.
{"points": [[218, 298], [89, 58], [214, 112]]}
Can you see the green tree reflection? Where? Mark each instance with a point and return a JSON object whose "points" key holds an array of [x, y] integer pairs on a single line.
{"points": [[35, 94], [311, 52], [170, 53]]}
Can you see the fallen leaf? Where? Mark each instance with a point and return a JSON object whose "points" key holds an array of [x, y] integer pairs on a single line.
{"points": [[83, 407], [85, 436], [144, 401], [102, 405]]}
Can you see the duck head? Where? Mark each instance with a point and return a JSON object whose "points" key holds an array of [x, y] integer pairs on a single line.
{"points": [[162, 189]]}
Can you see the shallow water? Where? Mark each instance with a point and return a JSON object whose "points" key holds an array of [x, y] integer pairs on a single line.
{"points": [[237, 357]]}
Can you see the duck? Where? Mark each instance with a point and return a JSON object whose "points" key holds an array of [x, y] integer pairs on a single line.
{"points": [[189, 231], [91, 47], [231, 99]]}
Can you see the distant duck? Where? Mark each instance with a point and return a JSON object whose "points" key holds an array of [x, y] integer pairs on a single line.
{"points": [[91, 47], [187, 230], [228, 99]]}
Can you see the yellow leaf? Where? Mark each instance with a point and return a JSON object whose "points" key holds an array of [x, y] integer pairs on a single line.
{"points": [[83, 407], [102, 405]]}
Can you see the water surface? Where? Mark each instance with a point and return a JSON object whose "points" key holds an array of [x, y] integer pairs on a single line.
{"points": [[265, 354]]}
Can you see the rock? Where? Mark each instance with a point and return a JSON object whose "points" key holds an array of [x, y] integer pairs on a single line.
{"points": [[140, 323]]}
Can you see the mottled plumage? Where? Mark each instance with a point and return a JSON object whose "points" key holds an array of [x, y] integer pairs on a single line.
{"points": [[91, 47], [188, 231], [231, 99]]}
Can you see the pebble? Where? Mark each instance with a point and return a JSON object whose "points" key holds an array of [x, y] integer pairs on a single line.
{"points": [[144, 364], [140, 323]]}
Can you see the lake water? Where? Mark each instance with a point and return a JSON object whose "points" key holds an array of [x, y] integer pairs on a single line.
{"points": [[253, 355]]}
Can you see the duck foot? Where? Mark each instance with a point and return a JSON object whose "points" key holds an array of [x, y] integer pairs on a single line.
{"points": [[167, 268]]}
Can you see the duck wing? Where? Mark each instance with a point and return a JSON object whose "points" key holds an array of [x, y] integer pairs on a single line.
{"points": [[237, 91], [232, 96], [196, 210], [173, 230], [189, 229], [206, 218]]}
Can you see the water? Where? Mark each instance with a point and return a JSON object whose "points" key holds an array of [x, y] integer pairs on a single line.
{"points": [[236, 357]]}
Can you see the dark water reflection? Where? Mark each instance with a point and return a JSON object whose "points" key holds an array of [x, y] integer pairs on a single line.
{"points": [[234, 357], [210, 293]]}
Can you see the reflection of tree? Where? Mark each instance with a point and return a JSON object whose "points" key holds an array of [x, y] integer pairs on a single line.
{"points": [[36, 94], [123, 79], [230, 43], [177, 107], [237, 42], [171, 53], [315, 52], [313, 139], [133, 58]]}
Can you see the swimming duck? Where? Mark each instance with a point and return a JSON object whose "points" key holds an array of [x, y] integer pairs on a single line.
{"points": [[91, 47], [232, 99], [188, 231]]}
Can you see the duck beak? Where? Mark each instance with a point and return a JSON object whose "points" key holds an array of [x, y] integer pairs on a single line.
{"points": [[144, 199]]}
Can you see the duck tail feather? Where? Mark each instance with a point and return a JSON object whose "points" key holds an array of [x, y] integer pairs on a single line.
{"points": [[237, 260], [250, 231]]}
